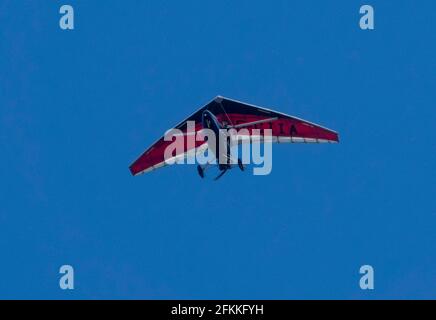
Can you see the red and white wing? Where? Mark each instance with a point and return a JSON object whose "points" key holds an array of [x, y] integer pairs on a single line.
{"points": [[239, 115]]}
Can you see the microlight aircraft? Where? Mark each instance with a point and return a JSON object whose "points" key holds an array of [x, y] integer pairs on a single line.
{"points": [[223, 114]]}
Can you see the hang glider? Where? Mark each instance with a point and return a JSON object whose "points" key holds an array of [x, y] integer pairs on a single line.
{"points": [[224, 113]]}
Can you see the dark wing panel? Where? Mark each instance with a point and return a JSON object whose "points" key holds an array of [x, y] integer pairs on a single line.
{"points": [[285, 128]]}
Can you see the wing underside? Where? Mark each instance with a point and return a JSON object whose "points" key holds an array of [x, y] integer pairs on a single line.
{"points": [[250, 121]]}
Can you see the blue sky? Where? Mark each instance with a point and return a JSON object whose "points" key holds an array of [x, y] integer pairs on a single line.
{"points": [[77, 107]]}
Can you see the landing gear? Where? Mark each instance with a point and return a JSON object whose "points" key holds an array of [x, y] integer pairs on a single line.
{"points": [[222, 167], [221, 174], [200, 171], [240, 165]]}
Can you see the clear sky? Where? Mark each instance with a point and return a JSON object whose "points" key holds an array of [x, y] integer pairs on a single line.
{"points": [[77, 107]]}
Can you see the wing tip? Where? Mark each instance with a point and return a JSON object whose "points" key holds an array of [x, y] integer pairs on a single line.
{"points": [[218, 99], [133, 172]]}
